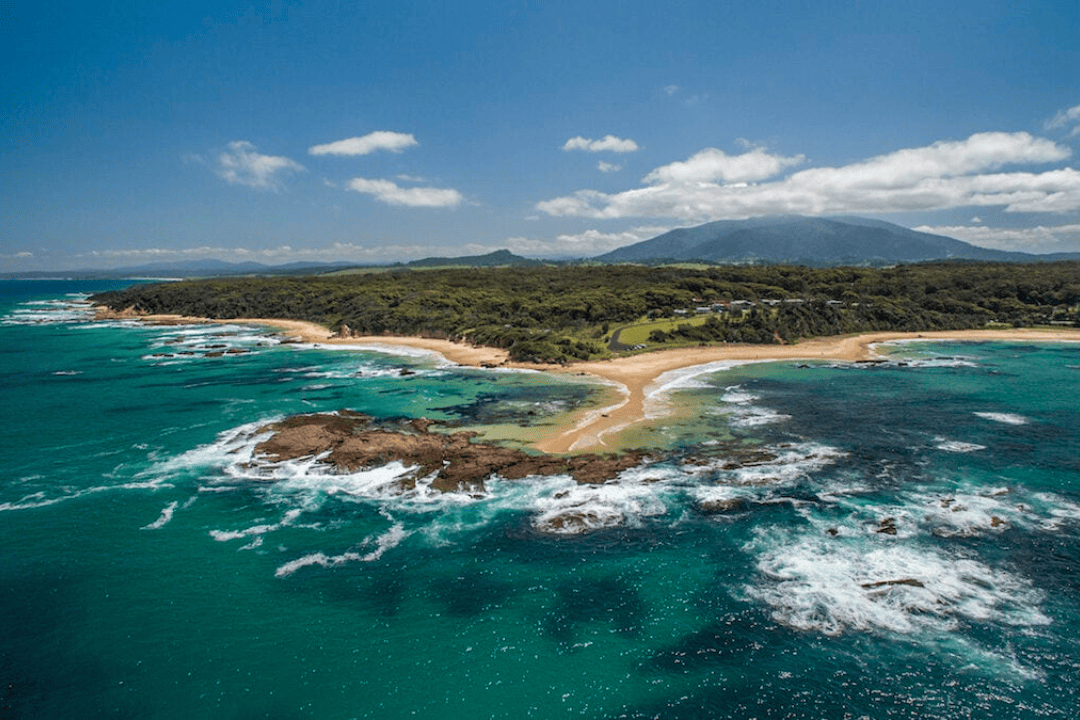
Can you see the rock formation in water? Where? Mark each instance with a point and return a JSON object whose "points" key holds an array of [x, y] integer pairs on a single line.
{"points": [[351, 441]]}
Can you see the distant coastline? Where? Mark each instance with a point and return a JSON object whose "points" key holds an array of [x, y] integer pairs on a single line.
{"points": [[635, 376]]}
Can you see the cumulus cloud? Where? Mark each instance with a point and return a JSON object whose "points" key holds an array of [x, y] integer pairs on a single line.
{"points": [[391, 193], [365, 145], [606, 167], [712, 165], [609, 143], [240, 164], [713, 185], [1035, 239]]}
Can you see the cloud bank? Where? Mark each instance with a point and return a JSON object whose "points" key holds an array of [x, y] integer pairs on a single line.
{"points": [[240, 164], [713, 185], [365, 145], [1034, 239]]}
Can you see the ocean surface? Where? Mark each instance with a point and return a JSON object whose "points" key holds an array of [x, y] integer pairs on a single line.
{"points": [[821, 540]]}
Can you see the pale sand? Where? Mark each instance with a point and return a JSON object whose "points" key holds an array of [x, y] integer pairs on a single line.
{"points": [[633, 375]]}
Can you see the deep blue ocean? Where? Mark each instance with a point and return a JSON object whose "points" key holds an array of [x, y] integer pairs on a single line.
{"points": [[892, 540]]}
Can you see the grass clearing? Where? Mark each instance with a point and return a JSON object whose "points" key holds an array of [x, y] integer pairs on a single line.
{"points": [[639, 334]]}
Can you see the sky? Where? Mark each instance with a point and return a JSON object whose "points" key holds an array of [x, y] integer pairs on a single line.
{"points": [[139, 132]]}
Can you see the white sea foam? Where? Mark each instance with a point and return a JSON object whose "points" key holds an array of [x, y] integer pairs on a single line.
{"points": [[738, 395], [386, 541], [658, 391], [72, 309], [916, 361], [233, 450], [783, 465], [34, 500], [191, 342], [257, 531], [835, 584], [941, 362], [388, 349], [956, 446], [577, 508], [1006, 418], [742, 413], [164, 518]]}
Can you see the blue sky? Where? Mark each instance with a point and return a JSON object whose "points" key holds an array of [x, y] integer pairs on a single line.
{"points": [[137, 132]]}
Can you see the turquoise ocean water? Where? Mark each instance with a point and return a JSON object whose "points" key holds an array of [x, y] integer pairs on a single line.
{"points": [[890, 541]]}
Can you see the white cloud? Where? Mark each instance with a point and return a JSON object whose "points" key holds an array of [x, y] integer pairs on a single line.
{"points": [[367, 144], [606, 167], [1064, 117], [1035, 239], [712, 165], [609, 143], [392, 194], [671, 90], [584, 244], [239, 164], [712, 185]]}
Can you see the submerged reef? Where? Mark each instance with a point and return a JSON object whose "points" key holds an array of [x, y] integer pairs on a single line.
{"points": [[350, 441]]}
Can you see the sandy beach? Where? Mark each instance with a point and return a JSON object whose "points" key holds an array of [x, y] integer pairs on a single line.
{"points": [[632, 375]]}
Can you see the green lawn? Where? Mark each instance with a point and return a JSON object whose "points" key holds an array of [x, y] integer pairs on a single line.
{"points": [[639, 334]]}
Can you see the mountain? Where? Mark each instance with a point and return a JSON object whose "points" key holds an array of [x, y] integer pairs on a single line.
{"points": [[808, 241], [499, 258]]}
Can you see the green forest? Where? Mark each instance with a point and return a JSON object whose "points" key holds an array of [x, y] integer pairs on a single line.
{"points": [[569, 313]]}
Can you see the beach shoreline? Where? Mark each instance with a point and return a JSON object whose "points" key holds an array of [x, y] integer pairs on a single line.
{"points": [[635, 376]]}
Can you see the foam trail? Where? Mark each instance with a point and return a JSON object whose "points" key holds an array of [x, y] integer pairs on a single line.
{"points": [[39, 499], [1006, 418], [388, 540], [163, 520], [256, 531], [956, 446]]}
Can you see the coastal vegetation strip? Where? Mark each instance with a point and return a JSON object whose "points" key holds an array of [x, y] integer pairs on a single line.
{"points": [[568, 314]]}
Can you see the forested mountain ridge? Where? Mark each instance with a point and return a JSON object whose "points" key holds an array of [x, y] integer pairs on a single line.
{"points": [[568, 313], [806, 241]]}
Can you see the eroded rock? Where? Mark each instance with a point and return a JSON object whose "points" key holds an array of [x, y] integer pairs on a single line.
{"points": [[350, 442]]}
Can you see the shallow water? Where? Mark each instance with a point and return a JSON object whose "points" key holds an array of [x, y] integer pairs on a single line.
{"points": [[835, 540]]}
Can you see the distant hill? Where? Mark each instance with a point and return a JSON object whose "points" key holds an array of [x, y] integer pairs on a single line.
{"points": [[189, 269], [219, 268], [810, 241], [499, 258]]}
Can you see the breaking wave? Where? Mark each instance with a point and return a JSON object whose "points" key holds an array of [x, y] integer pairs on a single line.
{"points": [[73, 308], [834, 585]]}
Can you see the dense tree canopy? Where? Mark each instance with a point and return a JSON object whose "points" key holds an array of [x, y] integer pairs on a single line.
{"points": [[561, 313]]}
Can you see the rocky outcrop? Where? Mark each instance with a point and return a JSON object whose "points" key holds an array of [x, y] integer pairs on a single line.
{"points": [[351, 441]]}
